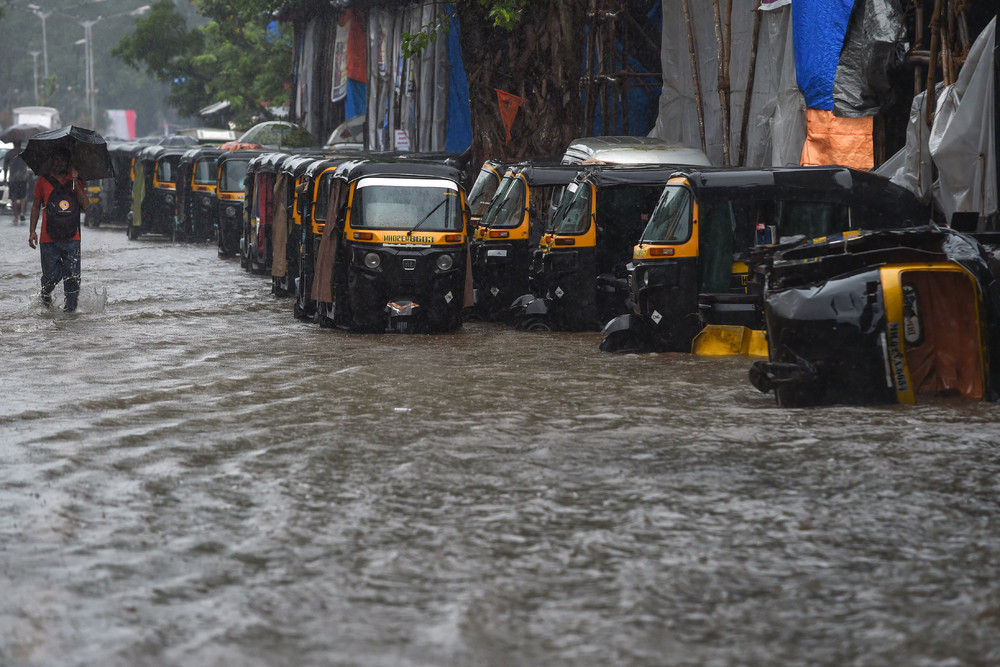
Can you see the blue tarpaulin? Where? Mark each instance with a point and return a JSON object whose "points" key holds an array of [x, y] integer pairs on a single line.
{"points": [[819, 27], [459, 123]]}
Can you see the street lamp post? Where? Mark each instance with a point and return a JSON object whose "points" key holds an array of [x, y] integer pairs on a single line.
{"points": [[91, 85], [34, 61], [45, 44]]}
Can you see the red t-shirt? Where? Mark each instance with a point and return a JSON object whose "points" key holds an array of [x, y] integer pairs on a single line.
{"points": [[42, 191]]}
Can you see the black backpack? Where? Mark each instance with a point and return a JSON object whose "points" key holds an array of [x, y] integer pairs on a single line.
{"points": [[62, 211]]}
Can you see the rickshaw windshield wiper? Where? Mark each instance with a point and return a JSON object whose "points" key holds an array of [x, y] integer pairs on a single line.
{"points": [[426, 217]]}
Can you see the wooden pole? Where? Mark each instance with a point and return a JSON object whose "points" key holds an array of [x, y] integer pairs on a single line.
{"points": [[721, 82], [694, 75], [750, 81], [935, 35]]}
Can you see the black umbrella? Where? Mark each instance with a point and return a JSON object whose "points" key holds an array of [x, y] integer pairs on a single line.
{"points": [[88, 152], [18, 134]]}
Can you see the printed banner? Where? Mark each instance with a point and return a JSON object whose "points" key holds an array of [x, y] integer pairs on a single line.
{"points": [[339, 89]]}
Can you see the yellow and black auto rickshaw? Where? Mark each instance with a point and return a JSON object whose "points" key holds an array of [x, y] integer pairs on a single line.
{"points": [[230, 191], [197, 198], [689, 281], [154, 192], [509, 233], [255, 248], [286, 225], [394, 252], [314, 185], [578, 277], [898, 316]]}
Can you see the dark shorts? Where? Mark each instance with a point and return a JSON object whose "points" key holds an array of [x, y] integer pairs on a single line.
{"points": [[18, 189]]}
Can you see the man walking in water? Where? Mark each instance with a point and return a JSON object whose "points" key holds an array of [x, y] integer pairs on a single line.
{"points": [[63, 195]]}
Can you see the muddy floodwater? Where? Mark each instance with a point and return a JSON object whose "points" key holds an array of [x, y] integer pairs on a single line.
{"points": [[190, 476]]}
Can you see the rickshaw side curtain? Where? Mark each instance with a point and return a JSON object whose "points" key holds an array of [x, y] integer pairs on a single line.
{"points": [[138, 193], [322, 287], [279, 227]]}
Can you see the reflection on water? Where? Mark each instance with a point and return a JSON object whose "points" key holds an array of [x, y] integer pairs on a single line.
{"points": [[193, 477]]}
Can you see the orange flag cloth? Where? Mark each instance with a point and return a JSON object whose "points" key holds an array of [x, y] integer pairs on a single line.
{"points": [[509, 104]]}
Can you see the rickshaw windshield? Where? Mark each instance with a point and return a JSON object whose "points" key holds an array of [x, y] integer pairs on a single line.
{"points": [[507, 207], [322, 197], [671, 219], [573, 216], [164, 171], [407, 203], [482, 191], [204, 171], [234, 173]]}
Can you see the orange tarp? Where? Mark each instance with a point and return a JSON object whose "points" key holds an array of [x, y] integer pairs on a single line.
{"points": [[833, 140]]}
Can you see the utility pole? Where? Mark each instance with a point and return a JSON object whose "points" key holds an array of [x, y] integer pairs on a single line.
{"points": [[34, 58]]}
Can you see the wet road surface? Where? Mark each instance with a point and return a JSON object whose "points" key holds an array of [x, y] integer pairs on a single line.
{"points": [[192, 477]]}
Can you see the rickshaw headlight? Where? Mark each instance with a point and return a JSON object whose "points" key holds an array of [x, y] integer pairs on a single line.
{"points": [[169, 199], [445, 262], [373, 260], [645, 278], [230, 211]]}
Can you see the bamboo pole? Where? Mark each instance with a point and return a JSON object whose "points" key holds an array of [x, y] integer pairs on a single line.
{"points": [[721, 82], [935, 29], [694, 75], [750, 81]]}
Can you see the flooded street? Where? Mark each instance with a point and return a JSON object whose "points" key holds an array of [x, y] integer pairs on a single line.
{"points": [[193, 477]]}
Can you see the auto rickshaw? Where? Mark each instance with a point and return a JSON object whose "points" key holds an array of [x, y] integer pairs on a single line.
{"points": [[315, 184], [578, 275], [394, 252], [689, 279], [154, 192], [255, 247], [510, 231], [116, 190], [880, 317], [286, 226], [231, 189], [197, 201]]}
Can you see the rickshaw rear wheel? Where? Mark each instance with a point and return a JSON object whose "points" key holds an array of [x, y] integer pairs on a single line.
{"points": [[535, 324]]}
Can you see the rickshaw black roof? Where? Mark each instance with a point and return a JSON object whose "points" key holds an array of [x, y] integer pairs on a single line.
{"points": [[195, 154], [832, 184], [546, 174], [267, 163], [297, 165], [318, 166], [358, 168], [609, 175]]}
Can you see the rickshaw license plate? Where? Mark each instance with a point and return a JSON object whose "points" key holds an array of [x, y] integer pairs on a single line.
{"points": [[496, 253]]}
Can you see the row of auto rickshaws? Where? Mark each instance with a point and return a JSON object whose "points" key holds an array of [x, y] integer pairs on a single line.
{"points": [[835, 281]]}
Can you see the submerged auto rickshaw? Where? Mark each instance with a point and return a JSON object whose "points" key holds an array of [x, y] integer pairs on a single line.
{"points": [[231, 189], [689, 278], [154, 192], [197, 200], [286, 225], [255, 247], [881, 317], [578, 275], [510, 230], [394, 252], [314, 200], [116, 190]]}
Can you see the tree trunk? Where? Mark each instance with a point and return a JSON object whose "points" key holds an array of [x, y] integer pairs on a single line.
{"points": [[540, 61]]}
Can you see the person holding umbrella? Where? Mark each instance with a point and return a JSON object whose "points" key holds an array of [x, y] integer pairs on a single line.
{"points": [[63, 196]]}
